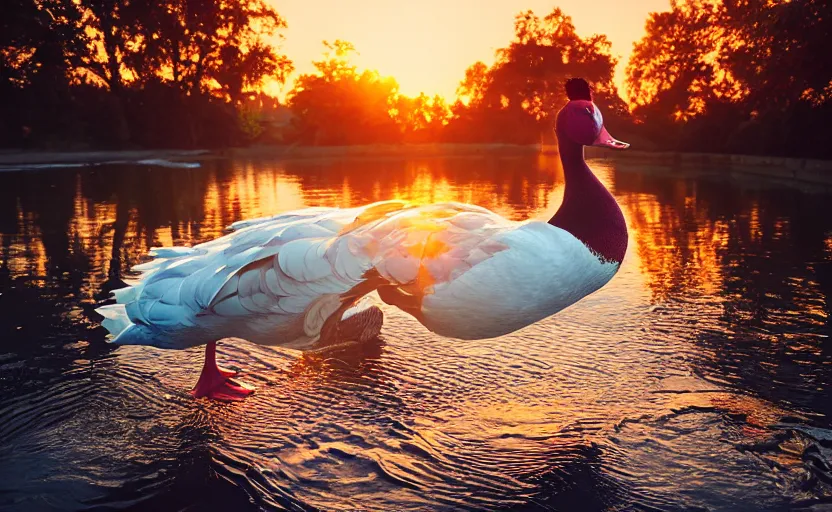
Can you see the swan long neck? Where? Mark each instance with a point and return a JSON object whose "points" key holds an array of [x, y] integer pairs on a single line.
{"points": [[576, 173], [589, 212]]}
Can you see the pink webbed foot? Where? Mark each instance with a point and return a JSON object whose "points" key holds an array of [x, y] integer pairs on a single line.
{"points": [[224, 390], [227, 373], [216, 383]]}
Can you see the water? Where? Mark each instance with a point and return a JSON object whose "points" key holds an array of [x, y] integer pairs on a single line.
{"points": [[692, 381]]}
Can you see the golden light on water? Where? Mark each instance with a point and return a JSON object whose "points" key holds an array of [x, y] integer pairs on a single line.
{"points": [[671, 256], [253, 191], [24, 255]]}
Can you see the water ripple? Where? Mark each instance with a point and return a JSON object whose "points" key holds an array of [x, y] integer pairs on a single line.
{"points": [[695, 380]]}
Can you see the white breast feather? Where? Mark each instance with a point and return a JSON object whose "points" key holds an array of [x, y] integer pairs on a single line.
{"points": [[543, 270]]}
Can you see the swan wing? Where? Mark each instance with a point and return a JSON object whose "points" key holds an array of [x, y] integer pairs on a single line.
{"points": [[429, 245], [288, 270], [277, 280]]}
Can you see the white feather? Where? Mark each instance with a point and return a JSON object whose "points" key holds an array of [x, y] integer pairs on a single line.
{"points": [[115, 318], [538, 269], [291, 258], [170, 252], [127, 294], [272, 284]]}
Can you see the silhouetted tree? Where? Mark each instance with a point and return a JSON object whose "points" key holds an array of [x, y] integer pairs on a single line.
{"points": [[515, 99], [473, 87], [169, 73], [40, 47], [340, 105], [777, 49], [673, 67], [208, 45], [421, 119], [749, 76]]}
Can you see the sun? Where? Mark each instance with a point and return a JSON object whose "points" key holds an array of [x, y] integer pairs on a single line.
{"points": [[427, 46]]}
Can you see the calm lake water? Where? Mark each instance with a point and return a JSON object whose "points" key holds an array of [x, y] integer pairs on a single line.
{"points": [[699, 378]]}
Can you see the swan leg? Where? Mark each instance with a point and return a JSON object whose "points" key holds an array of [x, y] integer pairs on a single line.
{"points": [[216, 383]]}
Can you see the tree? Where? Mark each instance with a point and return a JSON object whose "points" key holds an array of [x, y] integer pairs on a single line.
{"points": [[676, 66], [515, 100], [339, 105], [143, 72], [750, 76], [40, 45], [39, 41], [421, 119], [546, 52], [473, 87], [205, 46], [113, 32], [779, 50]]}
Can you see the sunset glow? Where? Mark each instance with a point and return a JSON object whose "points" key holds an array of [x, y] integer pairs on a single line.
{"points": [[426, 46]]}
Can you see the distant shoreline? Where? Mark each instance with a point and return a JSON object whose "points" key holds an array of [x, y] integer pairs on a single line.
{"points": [[45, 158], [802, 170], [382, 150], [790, 169], [10, 158]]}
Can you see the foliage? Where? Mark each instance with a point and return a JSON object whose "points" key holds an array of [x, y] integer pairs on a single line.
{"points": [[133, 72], [743, 76], [515, 100], [676, 68], [779, 49], [339, 105], [421, 119]]}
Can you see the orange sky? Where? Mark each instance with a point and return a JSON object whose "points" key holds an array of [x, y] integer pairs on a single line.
{"points": [[427, 45]]}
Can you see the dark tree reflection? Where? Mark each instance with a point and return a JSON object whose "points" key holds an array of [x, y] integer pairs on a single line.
{"points": [[750, 273]]}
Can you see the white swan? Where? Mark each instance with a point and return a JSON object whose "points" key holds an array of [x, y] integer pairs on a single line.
{"points": [[301, 279]]}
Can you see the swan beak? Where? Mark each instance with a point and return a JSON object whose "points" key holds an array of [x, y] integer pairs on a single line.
{"points": [[605, 140]]}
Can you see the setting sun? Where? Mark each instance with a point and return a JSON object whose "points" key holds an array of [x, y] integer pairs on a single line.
{"points": [[427, 46]]}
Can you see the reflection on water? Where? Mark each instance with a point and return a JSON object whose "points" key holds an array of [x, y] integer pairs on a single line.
{"points": [[662, 391]]}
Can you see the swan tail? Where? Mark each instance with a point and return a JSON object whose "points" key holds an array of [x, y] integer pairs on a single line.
{"points": [[162, 255], [127, 294], [116, 322], [123, 331]]}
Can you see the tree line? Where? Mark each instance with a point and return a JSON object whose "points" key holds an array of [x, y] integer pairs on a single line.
{"points": [[742, 76], [145, 73], [513, 100], [736, 76]]}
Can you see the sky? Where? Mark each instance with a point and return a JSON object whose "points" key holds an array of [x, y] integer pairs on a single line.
{"points": [[427, 45]]}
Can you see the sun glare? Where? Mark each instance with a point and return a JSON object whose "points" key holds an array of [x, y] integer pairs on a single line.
{"points": [[427, 46]]}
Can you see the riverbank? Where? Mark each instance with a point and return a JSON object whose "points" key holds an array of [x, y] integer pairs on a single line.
{"points": [[36, 159], [777, 168], [11, 158], [802, 170], [380, 150]]}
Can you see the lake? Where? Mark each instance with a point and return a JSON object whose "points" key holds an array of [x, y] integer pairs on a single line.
{"points": [[699, 378]]}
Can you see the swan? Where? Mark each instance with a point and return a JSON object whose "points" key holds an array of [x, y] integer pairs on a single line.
{"points": [[301, 279]]}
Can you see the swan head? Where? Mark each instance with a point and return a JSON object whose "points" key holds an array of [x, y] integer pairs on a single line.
{"points": [[580, 120]]}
